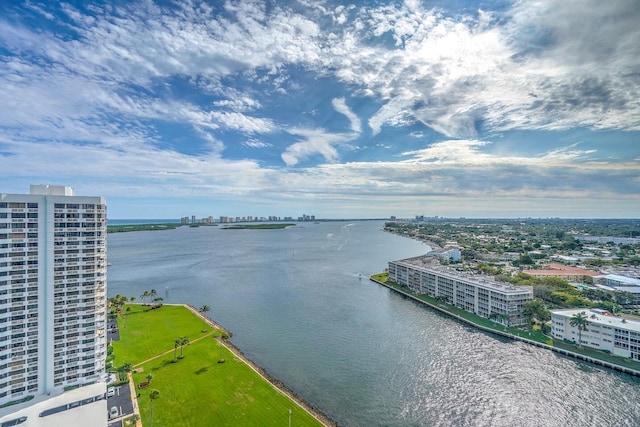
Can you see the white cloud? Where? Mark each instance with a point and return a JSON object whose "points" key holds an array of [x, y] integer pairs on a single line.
{"points": [[449, 72], [242, 122], [341, 107], [91, 108], [254, 143], [238, 103], [314, 141]]}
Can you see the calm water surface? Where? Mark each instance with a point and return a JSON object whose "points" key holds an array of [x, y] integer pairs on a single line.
{"points": [[299, 304]]}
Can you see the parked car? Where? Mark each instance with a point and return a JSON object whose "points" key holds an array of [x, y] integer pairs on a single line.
{"points": [[113, 412], [111, 391]]}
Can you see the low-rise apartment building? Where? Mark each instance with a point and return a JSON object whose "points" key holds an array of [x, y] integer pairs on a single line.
{"points": [[568, 273], [604, 331], [477, 294]]}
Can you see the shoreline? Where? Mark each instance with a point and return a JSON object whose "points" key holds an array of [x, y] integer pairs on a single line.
{"points": [[579, 356], [276, 383]]}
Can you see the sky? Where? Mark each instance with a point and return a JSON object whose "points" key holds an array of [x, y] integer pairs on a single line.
{"points": [[368, 109]]}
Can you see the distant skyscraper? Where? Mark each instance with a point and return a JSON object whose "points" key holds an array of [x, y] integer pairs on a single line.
{"points": [[52, 292]]}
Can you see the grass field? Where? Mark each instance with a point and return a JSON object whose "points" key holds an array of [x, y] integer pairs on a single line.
{"points": [[197, 390], [147, 333]]}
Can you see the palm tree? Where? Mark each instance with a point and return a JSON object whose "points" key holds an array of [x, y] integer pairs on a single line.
{"points": [[126, 314], [442, 298], [153, 294], [579, 321], [183, 341], [144, 295], [157, 302], [133, 420], [220, 358], [153, 396], [204, 309], [504, 319], [117, 303], [123, 370], [176, 344]]}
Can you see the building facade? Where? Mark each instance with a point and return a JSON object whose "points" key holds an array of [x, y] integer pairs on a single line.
{"points": [[447, 254], [604, 331], [52, 292], [474, 293], [568, 273]]}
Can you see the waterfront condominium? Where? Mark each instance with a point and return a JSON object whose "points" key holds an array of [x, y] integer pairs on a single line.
{"points": [[603, 331], [477, 294], [52, 307]]}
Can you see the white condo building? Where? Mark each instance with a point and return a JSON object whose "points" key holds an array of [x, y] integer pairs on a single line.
{"points": [[52, 305], [474, 293], [604, 331]]}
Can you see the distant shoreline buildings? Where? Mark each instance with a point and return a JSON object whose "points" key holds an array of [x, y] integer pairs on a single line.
{"points": [[228, 219]]}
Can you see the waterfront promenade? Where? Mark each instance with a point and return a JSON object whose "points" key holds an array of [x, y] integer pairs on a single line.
{"points": [[482, 324]]}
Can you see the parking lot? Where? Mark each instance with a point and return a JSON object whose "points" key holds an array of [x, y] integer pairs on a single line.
{"points": [[121, 400], [113, 334]]}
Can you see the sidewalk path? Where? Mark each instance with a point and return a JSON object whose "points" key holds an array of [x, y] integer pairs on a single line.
{"points": [[169, 351]]}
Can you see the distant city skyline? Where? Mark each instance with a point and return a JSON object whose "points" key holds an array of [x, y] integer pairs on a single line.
{"points": [[457, 109], [193, 219]]}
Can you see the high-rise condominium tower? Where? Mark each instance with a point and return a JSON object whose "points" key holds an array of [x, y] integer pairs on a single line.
{"points": [[52, 291]]}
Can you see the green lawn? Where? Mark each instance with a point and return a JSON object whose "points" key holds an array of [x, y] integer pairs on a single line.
{"points": [[147, 333], [197, 390]]}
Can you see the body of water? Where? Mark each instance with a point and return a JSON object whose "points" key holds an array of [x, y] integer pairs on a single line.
{"points": [[299, 303]]}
